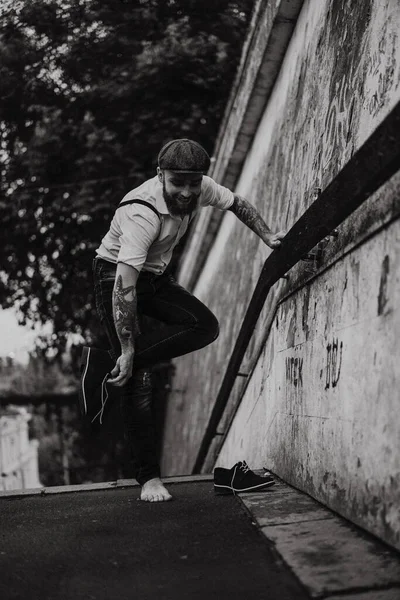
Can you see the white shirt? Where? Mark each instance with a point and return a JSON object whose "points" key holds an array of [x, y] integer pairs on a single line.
{"points": [[143, 240]]}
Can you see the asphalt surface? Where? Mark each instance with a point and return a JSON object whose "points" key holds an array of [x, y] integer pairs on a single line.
{"points": [[108, 545]]}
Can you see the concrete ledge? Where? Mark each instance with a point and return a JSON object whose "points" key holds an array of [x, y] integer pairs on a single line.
{"points": [[109, 485], [26, 492], [330, 556], [285, 508], [393, 594]]}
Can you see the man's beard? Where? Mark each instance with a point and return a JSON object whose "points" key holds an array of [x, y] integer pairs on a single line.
{"points": [[178, 210]]}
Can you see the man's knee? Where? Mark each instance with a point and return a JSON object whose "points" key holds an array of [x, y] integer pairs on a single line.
{"points": [[215, 329], [209, 328]]}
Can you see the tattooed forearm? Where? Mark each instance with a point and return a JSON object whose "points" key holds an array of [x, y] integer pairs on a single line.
{"points": [[246, 213], [125, 314], [250, 217]]}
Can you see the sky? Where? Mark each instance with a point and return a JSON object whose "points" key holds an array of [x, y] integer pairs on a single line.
{"points": [[17, 340], [14, 339]]}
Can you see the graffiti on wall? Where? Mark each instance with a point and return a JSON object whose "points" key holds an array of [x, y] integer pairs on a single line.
{"points": [[334, 354], [294, 371], [382, 67], [343, 111], [383, 285]]}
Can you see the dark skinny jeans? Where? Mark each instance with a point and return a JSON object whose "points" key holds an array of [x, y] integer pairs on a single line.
{"points": [[186, 324]]}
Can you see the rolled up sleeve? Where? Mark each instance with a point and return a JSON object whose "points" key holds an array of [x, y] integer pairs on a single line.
{"points": [[139, 229], [214, 194]]}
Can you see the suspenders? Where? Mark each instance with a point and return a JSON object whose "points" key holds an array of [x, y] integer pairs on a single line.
{"points": [[139, 202]]}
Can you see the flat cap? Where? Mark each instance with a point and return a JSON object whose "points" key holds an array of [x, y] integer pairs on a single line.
{"points": [[184, 156]]}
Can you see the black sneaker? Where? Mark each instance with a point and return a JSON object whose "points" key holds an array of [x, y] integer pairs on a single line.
{"points": [[239, 479], [95, 368]]}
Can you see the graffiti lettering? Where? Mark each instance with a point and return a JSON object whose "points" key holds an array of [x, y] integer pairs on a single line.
{"points": [[344, 109], [294, 371], [333, 363]]}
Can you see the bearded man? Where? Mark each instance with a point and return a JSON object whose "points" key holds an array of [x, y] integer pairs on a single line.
{"points": [[131, 280]]}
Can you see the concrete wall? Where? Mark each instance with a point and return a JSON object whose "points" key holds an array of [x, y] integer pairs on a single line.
{"points": [[320, 406]]}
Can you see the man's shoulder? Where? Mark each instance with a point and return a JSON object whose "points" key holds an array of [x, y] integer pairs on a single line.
{"points": [[208, 189], [145, 191], [207, 182], [140, 202], [215, 194]]}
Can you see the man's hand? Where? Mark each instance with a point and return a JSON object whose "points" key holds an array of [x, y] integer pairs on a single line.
{"points": [[273, 240], [122, 371]]}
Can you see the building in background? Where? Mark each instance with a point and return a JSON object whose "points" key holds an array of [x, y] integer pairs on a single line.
{"points": [[318, 398], [19, 466]]}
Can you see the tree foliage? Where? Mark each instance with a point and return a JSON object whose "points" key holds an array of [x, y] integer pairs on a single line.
{"points": [[90, 90]]}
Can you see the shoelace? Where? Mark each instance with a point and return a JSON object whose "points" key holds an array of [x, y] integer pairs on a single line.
{"points": [[243, 466], [104, 397]]}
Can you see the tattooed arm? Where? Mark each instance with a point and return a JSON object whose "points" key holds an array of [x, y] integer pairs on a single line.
{"points": [[125, 320], [246, 213]]}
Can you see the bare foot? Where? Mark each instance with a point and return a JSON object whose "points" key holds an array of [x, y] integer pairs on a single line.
{"points": [[154, 491]]}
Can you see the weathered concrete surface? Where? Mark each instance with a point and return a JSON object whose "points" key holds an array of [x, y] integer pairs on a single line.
{"points": [[326, 553], [321, 408], [269, 509], [392, 594], [336, 438], [331, 559], [269, 37], [270, 30]]}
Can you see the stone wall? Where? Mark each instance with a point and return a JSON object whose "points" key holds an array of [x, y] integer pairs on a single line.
{"points": [[320, 405]]}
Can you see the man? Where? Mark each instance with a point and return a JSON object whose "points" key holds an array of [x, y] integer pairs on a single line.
{"points": [[130, 281]]}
